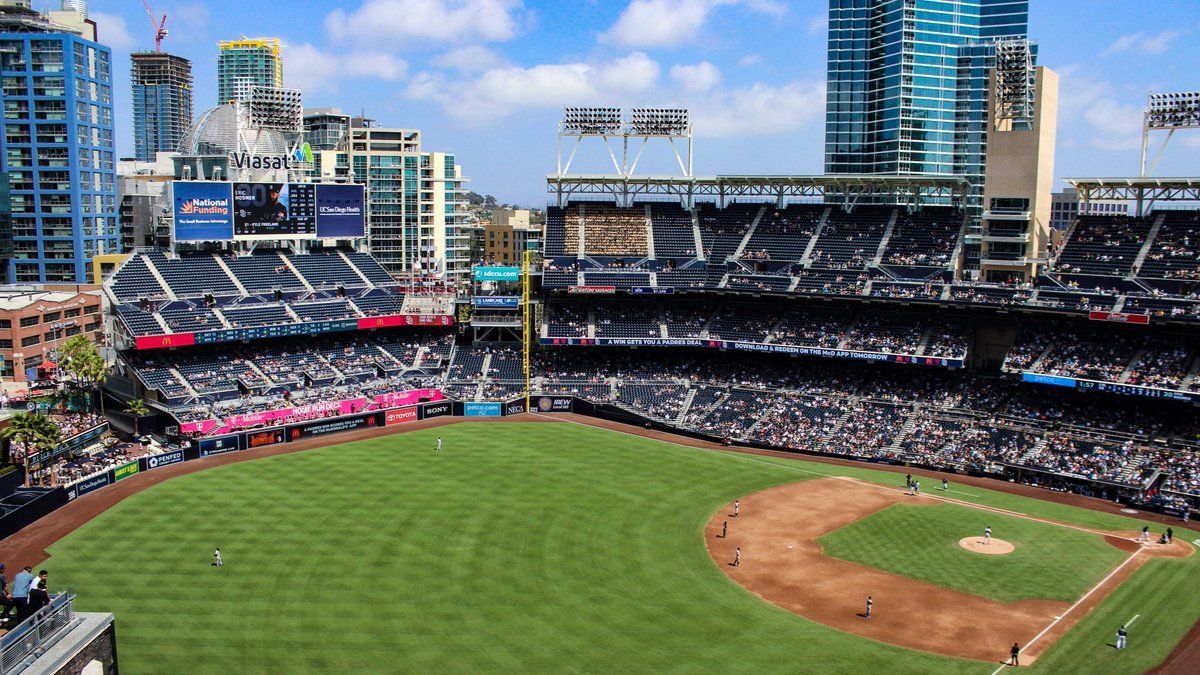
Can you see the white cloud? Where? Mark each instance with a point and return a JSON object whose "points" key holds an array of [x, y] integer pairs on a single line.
{"points": [[472, 59], [195, 15], [113, 32], [397, 21], [314, 71], [817, 25], [1152, 44], [696, 78], [758, 110], [1094, 107], [750, 60], [500, 92], [666, 23]]}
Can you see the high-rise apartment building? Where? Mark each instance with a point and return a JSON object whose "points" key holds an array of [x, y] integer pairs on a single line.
{"points": [[414, 198], [325, 128], [247, 63], [57, 145], [162, 102], [908, 85]]}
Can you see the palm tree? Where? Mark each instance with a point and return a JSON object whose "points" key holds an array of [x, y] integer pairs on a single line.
{"points": [[34, 431], [79, 357], [93, 370], [137, 409]]}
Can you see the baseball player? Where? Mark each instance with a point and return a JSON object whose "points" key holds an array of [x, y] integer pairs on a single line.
{"points": [[724, 529], [217, 557], [1145, 535], [737, 557], [870, 604], [987, 535], [439, 445], [1014, 653], [917, 488], [945, 485], [1121, 635], [737, 506]]}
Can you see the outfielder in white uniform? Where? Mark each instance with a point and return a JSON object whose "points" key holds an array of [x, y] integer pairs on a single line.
{"points": [[439, 445]]}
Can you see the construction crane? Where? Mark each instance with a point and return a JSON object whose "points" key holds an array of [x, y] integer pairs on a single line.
{"points": [[158, 25]]}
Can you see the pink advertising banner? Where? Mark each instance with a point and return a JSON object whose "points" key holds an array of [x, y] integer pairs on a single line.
{"points": [[310, 411]]}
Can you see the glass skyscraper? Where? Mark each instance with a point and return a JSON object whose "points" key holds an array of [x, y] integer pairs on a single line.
{"points": [[247, 63], [908, 84], [57, 150]]}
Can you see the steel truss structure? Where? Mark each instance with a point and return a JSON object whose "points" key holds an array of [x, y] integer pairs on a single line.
{"points": [[609, 127], [1169, 113], [1143, 191], [843, 189]]}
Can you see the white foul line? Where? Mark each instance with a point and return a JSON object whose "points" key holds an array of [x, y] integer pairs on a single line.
{"points": [[1069, 609]]}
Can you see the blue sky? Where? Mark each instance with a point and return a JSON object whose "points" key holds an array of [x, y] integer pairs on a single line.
{"points": [[487, 78]]}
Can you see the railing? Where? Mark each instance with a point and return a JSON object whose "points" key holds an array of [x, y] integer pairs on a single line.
{"points": [[28, 641]]}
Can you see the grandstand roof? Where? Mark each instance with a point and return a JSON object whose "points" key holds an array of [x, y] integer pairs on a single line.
{"points": [[1137, 188], [848, 187]]}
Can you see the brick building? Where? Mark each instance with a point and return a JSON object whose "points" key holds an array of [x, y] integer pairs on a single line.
{"points": [[34, 321]]}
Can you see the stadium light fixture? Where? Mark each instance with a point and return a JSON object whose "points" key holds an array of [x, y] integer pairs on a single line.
{"points": [[591, 121], [659, 122], [642, 124], [1168, 112]]}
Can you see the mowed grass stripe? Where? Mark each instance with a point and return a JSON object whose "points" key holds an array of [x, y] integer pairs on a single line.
{"points": [[1049, 562], [524, 547], [520, 548]]}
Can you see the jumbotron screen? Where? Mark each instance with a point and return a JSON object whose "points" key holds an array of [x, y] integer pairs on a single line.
{"points": [[218, 211]]}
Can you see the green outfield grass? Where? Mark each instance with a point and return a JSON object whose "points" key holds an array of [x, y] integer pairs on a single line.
{"points": [[1048, 562], [521, 547]]}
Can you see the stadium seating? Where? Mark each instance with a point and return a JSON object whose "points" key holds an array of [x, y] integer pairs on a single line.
{"points": [[193, 275], [925, 238], [673, 233], [722, 230], [1106, 245], [263, 272], [254, 315], [138, 321], [612, 231], [850, 240], [784, 234], [326, 270], [134, 281], [614, 321]]}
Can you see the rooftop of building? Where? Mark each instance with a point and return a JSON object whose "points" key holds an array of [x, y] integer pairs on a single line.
{"points": [[16, 298]]}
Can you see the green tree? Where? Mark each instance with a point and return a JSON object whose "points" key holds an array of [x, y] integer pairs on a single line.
{"points": [[80, 357], [136, 409], [33, 432]]}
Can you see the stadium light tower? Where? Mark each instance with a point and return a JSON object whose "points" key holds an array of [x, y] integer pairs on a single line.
{"points": [[1015, 87], [1170, 113], [608, 124]]}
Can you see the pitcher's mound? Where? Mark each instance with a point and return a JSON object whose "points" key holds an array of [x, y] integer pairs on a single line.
{"points": [[994, 547]]}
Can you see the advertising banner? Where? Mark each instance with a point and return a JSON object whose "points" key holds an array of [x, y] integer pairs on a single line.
{"points": [[166, 341], [274, 210], [1054, 380], [487, 273], [203, 210], [263, 438], [399, 416], [126, 470], [1118, 317], [652, 290], [90, 484], [1135, 390], [553, 404], [439, 409], [756, 347], [496, 302], [298, 431], [341, 211], [393, 320], [592, 290], [487, 409], [165, 459], [220, 445], [516, 407]]}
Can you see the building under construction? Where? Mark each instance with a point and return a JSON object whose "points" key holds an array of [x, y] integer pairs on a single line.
{"points": [[162, 102]]}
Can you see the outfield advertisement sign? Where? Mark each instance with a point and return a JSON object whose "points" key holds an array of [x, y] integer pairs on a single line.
{"points": [[652, 290], [87, 485], [439, 409], [400, 416], [220, 445], [126, 470], [341, 211], [553, 404], [487, 409], [264, 437], [516, 407], [165, 459], [296, 432], [756, 347], [496, 302]]}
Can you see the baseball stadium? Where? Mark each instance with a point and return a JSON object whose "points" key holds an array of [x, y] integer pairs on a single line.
{"points": [[848, 422]]}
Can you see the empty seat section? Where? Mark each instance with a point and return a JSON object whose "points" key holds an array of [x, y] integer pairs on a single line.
{"points": [[370, 268], [784, 234], [251, 316], [325, 270], [722, 230], [380, 304], [134, 281], [613, 321], [263, 273], [555, 244], [191, 319], [193, 275], [1175, 252], [323, 311], [139, 322], [1105, 245], [673, 234], [850, 240]]}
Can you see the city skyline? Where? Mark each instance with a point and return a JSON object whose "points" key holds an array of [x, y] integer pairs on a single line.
{"points": [[486, 78]]}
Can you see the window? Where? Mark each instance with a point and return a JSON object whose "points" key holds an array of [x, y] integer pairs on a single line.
{"points": [[51, 317], [28, 321], [30, 340], [5, 323], [5, 344], [70, 313]]}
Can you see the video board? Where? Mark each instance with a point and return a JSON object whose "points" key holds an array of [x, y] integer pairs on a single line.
{"points": [[219, 211]]}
